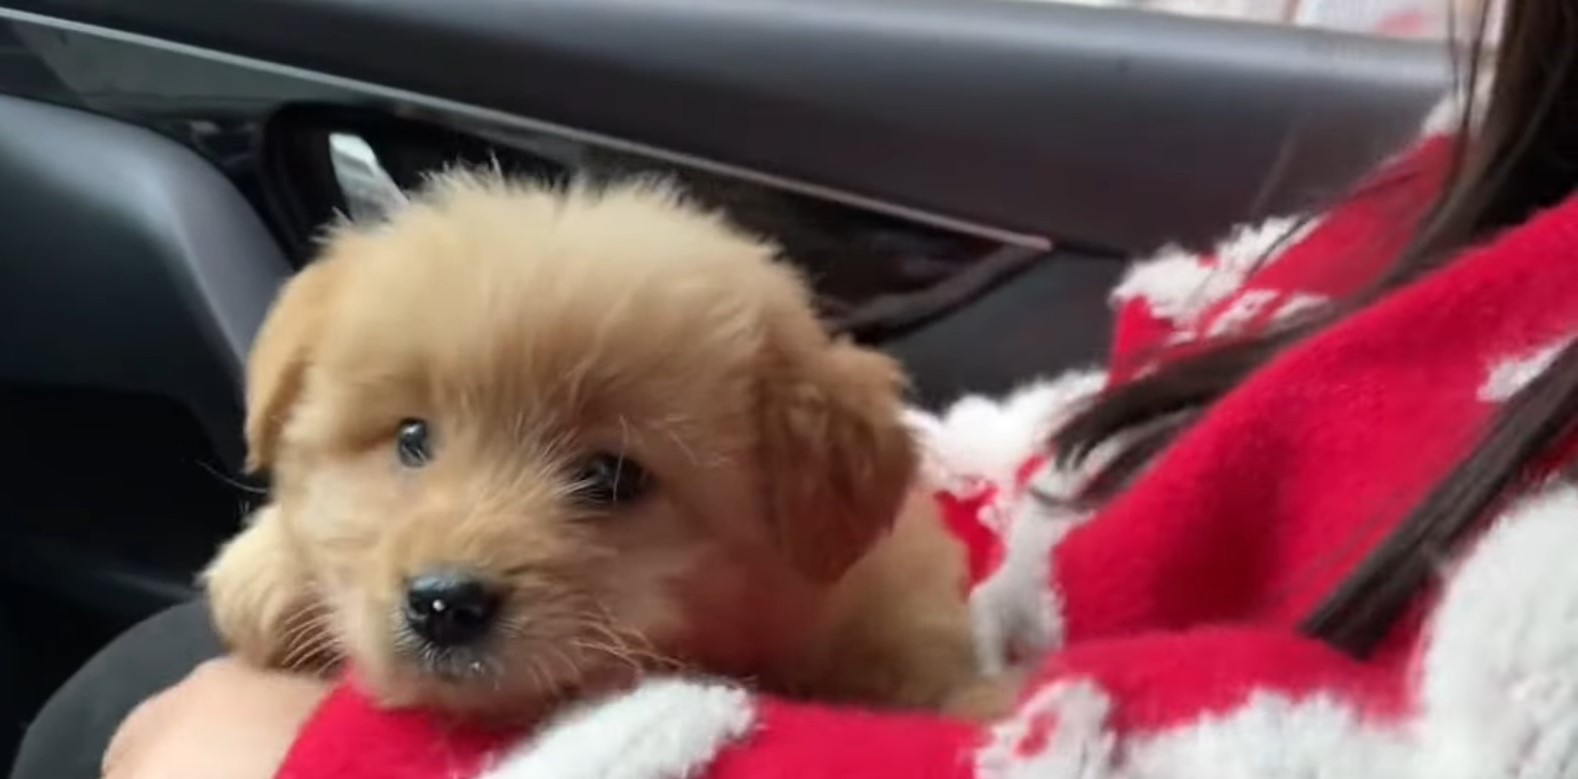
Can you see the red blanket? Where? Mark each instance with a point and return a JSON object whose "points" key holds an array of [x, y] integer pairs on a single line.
{"points": [[1163, 628]]}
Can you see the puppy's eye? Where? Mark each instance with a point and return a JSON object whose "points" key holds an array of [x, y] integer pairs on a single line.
{"points": [[412, 443], [608, 480]]}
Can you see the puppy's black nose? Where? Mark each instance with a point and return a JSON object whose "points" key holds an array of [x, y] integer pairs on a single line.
{"points": [[450, 608]]}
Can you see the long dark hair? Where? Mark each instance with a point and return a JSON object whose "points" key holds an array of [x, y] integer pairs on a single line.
{"points": [[1523, 157]]}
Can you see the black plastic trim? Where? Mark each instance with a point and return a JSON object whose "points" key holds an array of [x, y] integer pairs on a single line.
{"points": [[1115, 128], [130, 264]]}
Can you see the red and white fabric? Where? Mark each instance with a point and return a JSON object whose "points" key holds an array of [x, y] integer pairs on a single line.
{"points": [[1162, 629]]}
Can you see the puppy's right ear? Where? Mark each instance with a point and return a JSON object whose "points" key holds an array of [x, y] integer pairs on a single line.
{"points": [[280, 356], [839, 459]]}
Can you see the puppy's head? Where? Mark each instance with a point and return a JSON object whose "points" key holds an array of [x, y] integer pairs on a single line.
{"points": [[531, 441]]}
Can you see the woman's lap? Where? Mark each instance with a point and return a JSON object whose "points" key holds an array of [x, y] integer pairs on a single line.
{"points": [[67, 738]]}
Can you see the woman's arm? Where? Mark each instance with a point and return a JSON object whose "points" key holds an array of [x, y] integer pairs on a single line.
{"points": [[224, 719]]}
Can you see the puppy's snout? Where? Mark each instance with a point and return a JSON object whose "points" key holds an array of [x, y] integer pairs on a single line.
{"points": [[450, 609]]}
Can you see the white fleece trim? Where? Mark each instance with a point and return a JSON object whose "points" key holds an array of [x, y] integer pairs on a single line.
{"points": [[1272, 736], [1297, 304], [1179, 286], [1078, 745], [1175, 284], [1248, 247], [979, 441], [1240, 312], [1016, 613], [1017, 610], [983, 440], [1509, 375], [1062, 732], [1500, 675], [665, 728]]}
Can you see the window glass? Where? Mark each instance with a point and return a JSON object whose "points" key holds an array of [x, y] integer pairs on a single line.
{"points": [[1419, 19]]}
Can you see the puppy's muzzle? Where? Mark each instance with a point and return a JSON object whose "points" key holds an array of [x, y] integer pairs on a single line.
{"points": [[450, 609]]}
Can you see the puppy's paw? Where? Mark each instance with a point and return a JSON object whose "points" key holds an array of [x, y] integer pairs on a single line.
{"points": [[986, 698], [262, 602]]}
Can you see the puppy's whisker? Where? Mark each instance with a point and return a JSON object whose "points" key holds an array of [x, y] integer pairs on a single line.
{"points": [[319, 645], [303, 630], [679, 443], [667, 427], [629, 644], [296, 628], [613, 652], [405, 642], [638, 660], [305, 626], [634, 645], [312, 607], [556, 653], [512, 627], [604, 616], [230, 481], [586, 622], [535, 676], [603, 629], [323, 649], [624, 446], [518, 423]]}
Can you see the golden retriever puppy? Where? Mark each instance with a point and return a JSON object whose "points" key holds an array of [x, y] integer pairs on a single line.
{"points": [[528, 443]]}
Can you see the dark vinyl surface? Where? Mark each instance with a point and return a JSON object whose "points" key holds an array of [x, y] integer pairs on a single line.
{"points": [[1114, 128]]}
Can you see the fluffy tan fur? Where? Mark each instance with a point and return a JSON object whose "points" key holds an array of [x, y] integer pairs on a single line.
{"points": [[531, 328]]}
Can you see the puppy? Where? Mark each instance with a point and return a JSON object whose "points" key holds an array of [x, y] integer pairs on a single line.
{"points": [[527, 444]]}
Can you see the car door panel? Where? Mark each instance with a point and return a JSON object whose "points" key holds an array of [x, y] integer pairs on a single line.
{"points": [[1116, 128]]}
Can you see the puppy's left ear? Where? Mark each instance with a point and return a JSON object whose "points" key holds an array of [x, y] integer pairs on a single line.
{"points": [[837, 456], [281, 354]]}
